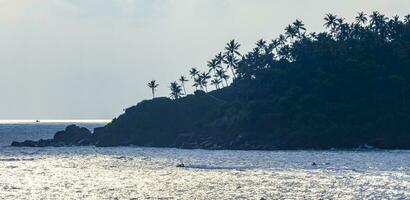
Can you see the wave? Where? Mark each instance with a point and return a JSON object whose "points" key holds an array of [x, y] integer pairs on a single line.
{"points": [[217, 167], [15, 159]]}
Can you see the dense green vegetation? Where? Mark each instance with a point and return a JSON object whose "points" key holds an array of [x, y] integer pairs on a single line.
{"points": [[340, 88]]}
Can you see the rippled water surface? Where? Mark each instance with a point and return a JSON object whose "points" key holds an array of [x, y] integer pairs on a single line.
{"points": [[151, 173]]}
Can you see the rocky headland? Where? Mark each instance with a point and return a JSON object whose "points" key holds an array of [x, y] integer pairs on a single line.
{"points": [[342, 88]]}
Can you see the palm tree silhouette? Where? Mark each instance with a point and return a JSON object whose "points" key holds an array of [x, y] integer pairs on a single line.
{"points": [[182, 79], [232, 47], [299, 28], [213, 65], [216, 82], [220, 57], [290, 32], [176, 90], [331, 21], [221, 74], [274, 45], [281, 40], [197, 83], [231, 62], [361, 18], [377, 21], [152, 84], [261, 45], [407, 19], [193, 72], [204, 80]]}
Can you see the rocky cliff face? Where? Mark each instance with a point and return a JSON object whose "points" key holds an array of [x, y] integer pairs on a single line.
{"points": [[221, 120]]}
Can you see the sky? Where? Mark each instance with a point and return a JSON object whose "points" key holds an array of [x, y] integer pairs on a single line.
{"points": [[90, 59]]}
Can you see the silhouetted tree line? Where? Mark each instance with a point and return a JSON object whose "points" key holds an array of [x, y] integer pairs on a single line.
{"points": [[371, 40], [345, 86]]}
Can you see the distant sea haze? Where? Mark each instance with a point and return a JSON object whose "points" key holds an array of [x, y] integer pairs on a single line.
{"points": [[21, 130], [25, 121]]}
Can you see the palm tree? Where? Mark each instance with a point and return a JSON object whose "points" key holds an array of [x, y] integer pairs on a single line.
{"points": [[313, 35], [344, 30], [216, 82], [231, 62], [176, 90], [197, 83], [182, 79], [226, 78], [220, 73], [275, 43], [152, 84], [232, 47], [361, 18], [340, 21], [299, 27], [290, 32], [204, 80], [213, 65], [281, 40], [220, 57], [377, 20], [193, 72], [271, 46], [407, 19], [396, 19], [262, 45], [331, 22]]}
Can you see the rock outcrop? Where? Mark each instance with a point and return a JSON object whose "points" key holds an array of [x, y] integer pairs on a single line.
{"points": [[72, 136]]}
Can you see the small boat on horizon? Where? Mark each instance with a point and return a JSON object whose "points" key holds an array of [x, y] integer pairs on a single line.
{"points": [[37, 121]]}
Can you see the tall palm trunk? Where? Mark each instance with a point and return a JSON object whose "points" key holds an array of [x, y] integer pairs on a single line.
{"points": [[153, 92], [183, 86]]}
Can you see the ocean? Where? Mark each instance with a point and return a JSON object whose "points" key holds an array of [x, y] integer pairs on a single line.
{"points": [[151, 173]]}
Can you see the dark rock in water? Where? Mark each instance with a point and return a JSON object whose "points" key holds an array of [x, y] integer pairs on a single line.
{"points": [[44, 143], [180, 165], [31, 143], [27, 143], [72, 136], [84, 142]]}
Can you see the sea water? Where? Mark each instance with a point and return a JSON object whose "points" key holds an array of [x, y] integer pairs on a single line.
{"points": [[151, 173]]}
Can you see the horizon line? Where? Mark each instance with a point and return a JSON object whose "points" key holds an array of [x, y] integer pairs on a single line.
{"points": [[9, 121]]}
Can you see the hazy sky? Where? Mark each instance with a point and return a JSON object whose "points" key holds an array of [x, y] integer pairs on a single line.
{"points": [[82, 59]]}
